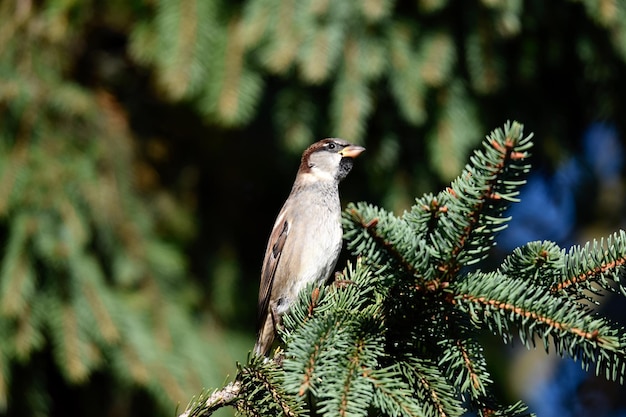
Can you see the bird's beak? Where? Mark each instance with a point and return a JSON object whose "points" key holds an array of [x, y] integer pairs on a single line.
{"points": [[351, 151]]}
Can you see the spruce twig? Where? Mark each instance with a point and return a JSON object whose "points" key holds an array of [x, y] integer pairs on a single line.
{"points": [[218, 399]]}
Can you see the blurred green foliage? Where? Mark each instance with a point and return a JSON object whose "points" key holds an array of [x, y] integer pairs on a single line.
{"points": [[145, 147]]}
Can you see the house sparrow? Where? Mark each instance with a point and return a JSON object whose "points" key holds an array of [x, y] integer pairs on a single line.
{"points": [[306, 239]]}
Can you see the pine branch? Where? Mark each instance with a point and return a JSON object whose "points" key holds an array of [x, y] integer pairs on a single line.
{"points": [[540, 262], [351, 326], [437, 396], [466, 367], [598, 262], [490, 409], [257, 390], [392, 395], [383, 240], [263, 389], [477, 199], [310, 346], [216, 400], [346, 391], [503, 303]]}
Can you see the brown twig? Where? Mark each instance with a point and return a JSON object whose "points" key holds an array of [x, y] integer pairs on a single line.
{"points": [[220, 398]]}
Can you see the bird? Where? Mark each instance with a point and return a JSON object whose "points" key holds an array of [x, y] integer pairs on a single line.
{"points": [[306, 239]]}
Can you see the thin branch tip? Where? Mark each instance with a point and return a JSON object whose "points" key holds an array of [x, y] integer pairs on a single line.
{"points": [[220, 398]]}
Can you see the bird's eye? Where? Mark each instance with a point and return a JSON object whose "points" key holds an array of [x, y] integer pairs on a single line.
{"points": [[331, 146]]}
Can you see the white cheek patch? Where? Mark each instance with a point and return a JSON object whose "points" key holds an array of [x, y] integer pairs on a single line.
{"points": [[316, 175], [322, 175]]}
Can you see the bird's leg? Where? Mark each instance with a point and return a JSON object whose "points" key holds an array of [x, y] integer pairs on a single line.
{"points": [[277, 322], [276, 318], [279, 356]]}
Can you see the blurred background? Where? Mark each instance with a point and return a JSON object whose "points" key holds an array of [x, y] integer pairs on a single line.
{"points": [[147, 145]]}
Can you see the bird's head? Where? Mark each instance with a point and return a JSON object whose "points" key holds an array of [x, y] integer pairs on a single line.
{"points": [[329, 159]]}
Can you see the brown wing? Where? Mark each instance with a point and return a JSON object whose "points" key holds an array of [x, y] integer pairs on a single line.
{"points": [[270, 263]]}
